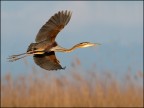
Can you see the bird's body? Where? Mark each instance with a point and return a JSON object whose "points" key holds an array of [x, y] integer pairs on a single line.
{"points": [[45, 46], [43, 50]]}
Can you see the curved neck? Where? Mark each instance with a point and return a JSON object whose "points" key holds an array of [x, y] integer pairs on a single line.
{"points": [[61, 49]]}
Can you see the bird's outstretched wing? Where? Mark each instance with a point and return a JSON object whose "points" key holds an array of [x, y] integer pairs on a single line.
{"points": [[47, 61], [53, 26]]}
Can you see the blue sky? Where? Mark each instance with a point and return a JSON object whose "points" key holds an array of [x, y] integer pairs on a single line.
{"points": [[118, 25]]}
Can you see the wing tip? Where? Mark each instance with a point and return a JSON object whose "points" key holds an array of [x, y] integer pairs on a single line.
{"points": [[62, 68], [67, 12]]}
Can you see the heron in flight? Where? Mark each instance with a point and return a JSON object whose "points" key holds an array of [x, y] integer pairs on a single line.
{"points": [[43, 50]]}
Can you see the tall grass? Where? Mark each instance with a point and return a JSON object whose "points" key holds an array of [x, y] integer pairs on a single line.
{"points": [[45, 89]]}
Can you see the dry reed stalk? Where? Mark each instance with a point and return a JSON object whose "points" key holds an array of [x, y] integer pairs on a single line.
{"points": [[70, 90]]}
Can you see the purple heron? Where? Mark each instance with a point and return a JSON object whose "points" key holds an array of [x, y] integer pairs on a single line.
{"points": [[44, 49]]}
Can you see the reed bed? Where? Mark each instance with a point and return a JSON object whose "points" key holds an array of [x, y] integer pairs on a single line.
{"points": [[71, 89]]}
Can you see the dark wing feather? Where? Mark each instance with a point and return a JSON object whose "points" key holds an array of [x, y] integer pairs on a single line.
{"points": [[53, 26], [47, 61]]}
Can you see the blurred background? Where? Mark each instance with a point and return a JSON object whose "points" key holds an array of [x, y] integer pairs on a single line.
{"points": [[118, 26], [106, 75]]}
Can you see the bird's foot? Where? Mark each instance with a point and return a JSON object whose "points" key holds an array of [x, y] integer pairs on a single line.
{"points": [[14, 58]]}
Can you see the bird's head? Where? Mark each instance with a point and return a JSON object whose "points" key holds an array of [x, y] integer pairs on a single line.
{"points": [[86, 44]]}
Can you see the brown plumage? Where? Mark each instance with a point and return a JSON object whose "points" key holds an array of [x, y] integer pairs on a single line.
{"points": [[54, 25], [47, 61], [44, 49]]}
